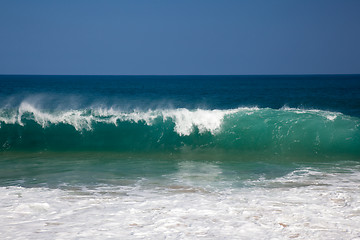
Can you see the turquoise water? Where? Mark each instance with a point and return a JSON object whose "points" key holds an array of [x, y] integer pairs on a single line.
{"points": [[267, 152]]}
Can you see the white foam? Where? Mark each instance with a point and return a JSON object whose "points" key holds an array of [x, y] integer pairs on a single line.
{"points": [[76, 118], [8, 119], [204, 120], [326, 114], [185, 120], [305, 204], [331, 117]]}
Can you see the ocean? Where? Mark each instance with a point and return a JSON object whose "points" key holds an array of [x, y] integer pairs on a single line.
{"points": [[180, 157]]}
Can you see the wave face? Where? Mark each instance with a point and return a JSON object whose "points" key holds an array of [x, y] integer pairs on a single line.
{"points": [[285, 131]]}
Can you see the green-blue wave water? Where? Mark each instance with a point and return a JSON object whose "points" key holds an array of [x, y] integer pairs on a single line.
{"points": [[277, 132]]}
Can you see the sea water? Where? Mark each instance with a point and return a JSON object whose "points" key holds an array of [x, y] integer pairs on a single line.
{"points": [[180, 157]]}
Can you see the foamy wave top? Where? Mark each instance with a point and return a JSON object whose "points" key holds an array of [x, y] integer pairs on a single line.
{"points": [[185, 120], [327, 114]]}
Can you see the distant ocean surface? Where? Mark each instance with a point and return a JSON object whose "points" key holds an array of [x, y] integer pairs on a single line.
{"points": [[180, 157]]}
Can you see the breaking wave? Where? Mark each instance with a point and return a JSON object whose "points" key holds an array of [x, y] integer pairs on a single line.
{"points": [[265, 130]]}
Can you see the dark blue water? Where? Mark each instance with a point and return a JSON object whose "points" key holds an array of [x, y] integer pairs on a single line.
{"points": [[338, 93]]}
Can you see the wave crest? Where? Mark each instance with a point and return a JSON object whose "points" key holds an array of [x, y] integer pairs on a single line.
{"points": [[185, 120], [266, 130]]}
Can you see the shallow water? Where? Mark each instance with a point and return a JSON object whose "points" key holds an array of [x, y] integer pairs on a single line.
{"points": [[195, 201]]}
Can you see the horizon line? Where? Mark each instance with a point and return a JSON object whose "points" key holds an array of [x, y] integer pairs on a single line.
{"points": [[305, 74]]}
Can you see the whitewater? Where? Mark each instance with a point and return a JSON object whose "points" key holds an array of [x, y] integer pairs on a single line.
{"points": [[303, 204]]}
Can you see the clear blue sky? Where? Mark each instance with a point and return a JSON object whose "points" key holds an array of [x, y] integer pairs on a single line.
{"points": [[180, 37]]}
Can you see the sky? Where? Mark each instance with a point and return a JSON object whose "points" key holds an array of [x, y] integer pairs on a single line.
{"points": [[149, 37]]}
